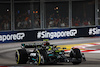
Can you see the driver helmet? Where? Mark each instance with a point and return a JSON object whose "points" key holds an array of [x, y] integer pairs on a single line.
{"points": [[46, 44]]}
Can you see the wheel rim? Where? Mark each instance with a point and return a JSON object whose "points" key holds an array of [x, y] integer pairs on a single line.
{"points": [[39, 57], [17, 56]]}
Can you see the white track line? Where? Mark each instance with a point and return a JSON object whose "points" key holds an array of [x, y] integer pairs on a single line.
{"points": [[7, 50]]}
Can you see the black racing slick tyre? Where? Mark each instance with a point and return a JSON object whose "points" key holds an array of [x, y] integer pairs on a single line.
{"points": [[21, 56], [75, 53], [76, 56], [44, 54]]}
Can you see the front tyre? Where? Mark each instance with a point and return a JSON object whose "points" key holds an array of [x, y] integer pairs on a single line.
{"points": [[21, 56]]}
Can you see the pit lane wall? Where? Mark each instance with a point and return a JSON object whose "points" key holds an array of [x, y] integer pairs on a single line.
{"points": [[34, 35]]}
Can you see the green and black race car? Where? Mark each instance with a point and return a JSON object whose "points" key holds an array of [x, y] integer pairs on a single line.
{"points": [[44, 53]]}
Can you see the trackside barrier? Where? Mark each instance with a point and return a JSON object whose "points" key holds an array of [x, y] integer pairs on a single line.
{"points": [[34, 35]]}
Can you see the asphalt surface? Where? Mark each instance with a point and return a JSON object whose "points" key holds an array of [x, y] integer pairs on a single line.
{"points": [[7, 53]]}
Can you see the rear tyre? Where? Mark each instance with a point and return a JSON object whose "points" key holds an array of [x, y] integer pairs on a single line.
{"points": [[76, 56], [21, 56], [76, 61]]}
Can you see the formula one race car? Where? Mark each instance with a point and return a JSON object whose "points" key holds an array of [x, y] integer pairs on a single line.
{"points": [[44, 53]]}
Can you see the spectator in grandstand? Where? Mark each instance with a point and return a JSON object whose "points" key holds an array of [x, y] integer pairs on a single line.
{"points": [[85, 23], [23, 21], [66, 21], [76, 21], [89, 21], [62, 24], [18, 23], [36, 25], [37, 16], [37, 21], [56, 22], [51, 23], [6, 25], [6, 22]]}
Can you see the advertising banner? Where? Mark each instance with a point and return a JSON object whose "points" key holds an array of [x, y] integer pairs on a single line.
{"points": [[94, 31], [33, 35], [11, 36], [17, 36], [56, 33]]}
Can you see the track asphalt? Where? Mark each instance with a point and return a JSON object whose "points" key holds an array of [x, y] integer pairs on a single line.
{"points": [[82, 43], [92, 45]]}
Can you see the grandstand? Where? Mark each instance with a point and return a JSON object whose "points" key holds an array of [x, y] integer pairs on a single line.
{"points": [[32, 17]]}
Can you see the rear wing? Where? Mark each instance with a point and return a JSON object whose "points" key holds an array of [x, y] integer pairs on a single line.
{"points": [[31, 45]]}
